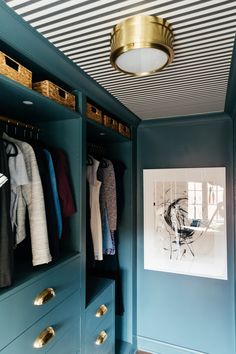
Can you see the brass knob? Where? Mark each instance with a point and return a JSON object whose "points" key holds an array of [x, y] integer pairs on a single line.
{"points": [[44, 337], [44, 296], [101, 338], [101, 311]]}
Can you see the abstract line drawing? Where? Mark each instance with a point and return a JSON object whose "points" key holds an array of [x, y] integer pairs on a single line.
{"points": [[185, 221]]}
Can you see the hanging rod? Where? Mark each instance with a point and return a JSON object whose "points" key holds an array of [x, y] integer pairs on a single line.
{"points": [[95, 149], [19, 124]]}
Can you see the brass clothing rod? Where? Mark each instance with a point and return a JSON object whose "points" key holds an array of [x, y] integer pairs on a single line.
{"points": [[19, 124]]}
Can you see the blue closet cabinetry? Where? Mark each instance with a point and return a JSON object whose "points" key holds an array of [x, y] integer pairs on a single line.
{"points": [[58, 284], [68, 130]]}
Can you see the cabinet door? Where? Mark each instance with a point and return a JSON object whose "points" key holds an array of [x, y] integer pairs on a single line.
{"points": [[67, 344], [106, 300], [65, 321], [96, 343], [18, 312]]}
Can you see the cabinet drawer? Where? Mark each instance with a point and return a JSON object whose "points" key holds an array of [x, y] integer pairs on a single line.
{"points": [[102, 339], [101, 307], [18, 311], [64, 319]]}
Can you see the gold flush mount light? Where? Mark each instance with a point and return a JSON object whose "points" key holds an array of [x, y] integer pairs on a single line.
{"points": [[141, 45]]}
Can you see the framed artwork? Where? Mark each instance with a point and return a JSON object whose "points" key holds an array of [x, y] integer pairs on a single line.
{"points": [[185, 221]]}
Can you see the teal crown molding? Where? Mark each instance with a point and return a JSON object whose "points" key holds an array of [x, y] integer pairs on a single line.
{"points": [[194, 119], [230, 102], [28, 43]]}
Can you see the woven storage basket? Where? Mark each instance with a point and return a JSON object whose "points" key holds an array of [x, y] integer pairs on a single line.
{"points": [[94, 113], [110, 122], [15, 71], [124, 130], [56, 93]]}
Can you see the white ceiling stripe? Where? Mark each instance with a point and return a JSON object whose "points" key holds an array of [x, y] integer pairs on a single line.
{"points": [[65, 6], [197, 15], [188, 69], [213, 87], [15, 3], [185, 82], [205, 34], [176, 100], [183, 97], [182, 110], [160, 80], [95, 13], [34, 6], [188, 85], [208, 24]]}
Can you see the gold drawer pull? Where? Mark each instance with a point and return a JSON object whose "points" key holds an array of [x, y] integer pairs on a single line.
{"points": [[101, 311], [44, 337], [44, 296], [101, 338]]}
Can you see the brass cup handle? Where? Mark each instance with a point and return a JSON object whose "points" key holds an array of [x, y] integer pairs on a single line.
{"points": [[101, 338], [43, 297], [44, 337], [101, 311]]}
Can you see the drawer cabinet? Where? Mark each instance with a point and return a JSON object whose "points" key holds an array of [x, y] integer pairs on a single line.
{"points": [[100, 318], [61, 331], [18, 311]]}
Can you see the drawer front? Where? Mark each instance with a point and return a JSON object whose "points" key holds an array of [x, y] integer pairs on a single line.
{"points": [[64, 319], [103, 300], [106, 346], [18, 311]]}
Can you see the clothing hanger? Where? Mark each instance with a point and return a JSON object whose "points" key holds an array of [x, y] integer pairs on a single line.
{"points": [[7, 143], [89, 161], [103, 163]]}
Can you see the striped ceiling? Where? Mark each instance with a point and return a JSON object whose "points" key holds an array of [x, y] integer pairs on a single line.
{"points": [[196, 81]]}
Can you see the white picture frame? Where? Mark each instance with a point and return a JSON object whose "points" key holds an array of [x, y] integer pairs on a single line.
{"points": [[185, 221]]}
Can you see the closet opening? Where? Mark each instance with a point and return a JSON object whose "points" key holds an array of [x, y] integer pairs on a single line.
{"points": [[109, 157]]}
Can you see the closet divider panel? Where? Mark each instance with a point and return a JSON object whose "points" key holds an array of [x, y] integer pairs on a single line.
{"points": [[126, 229]]}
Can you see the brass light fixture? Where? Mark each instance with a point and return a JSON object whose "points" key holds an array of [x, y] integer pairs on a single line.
{"points": [[141, 45]]}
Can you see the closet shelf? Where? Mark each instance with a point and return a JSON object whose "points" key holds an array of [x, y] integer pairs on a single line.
{"points": [[43, 109], [99, 133]]}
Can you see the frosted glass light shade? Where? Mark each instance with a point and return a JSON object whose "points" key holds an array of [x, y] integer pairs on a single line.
{"points": [[141, 45], [142, 61]]}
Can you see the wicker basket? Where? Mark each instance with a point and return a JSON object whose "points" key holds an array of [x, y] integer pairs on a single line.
{"points": [[124, 130], [94, 113], [15, 71], [56, 93], [110, 122]]}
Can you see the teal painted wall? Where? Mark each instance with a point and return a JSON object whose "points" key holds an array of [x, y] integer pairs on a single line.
{"points": [[179, 314]]}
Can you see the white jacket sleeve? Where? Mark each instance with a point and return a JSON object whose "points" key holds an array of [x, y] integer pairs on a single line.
{"points": [[34, 199], [33, 195]]}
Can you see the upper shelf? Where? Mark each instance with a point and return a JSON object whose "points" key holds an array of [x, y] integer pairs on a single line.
{"points": [[99, 133], [12, 96]]}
